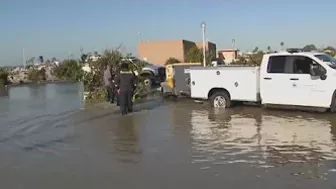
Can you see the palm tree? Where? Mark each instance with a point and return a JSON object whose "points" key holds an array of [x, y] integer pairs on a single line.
{"points": [[255, 50], [269, 48], [282, 44]]}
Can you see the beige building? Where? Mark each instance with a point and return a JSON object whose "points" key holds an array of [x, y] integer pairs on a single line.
{"points": [[228, 55], [157, 52]]}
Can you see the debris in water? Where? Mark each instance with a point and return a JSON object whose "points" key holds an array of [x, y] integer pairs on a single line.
{"points": [[266, 166]]}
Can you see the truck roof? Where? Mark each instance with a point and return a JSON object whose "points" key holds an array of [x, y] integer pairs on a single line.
{"points": [[295, 53]]}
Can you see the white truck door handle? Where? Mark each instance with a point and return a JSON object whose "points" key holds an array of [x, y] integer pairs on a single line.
{"points": [[267, 78], [294, 79]]}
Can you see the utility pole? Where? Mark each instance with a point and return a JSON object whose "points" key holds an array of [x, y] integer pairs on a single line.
{"points": [[23, 58], [203, 32], [140, 36], [233, 44]]}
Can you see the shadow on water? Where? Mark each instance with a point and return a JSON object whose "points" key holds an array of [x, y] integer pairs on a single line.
{"points": [[126, 140]]}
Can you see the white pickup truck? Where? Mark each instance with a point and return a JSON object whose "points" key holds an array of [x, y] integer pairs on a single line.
{"points": [[289, 79]]}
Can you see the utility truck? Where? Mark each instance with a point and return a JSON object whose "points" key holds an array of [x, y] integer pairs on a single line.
{"points": [[291, 79], [177, 79]]}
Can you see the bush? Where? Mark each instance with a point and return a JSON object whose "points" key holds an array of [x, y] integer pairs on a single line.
{"points": [[93, 81], [3, 78], [69, 70], [98, 94], [256, 58], [35, 75], [172, 60], [196, 55]]}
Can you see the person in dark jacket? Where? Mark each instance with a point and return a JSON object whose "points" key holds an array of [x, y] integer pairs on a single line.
{"points": [[125, 83]]}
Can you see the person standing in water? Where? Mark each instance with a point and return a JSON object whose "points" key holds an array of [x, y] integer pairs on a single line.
{"points": [[108, 84], [125, 83]]}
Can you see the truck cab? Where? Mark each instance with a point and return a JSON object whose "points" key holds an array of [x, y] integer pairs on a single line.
{"points": [[298, 78], [287, 79]]}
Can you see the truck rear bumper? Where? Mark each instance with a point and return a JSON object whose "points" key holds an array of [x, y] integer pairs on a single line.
{"points": [[166, 89]]}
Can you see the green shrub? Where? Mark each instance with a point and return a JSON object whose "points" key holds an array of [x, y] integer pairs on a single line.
{"points": [[93, 81], [35, 75], [69, 70], [172, 60], [3, 78]]}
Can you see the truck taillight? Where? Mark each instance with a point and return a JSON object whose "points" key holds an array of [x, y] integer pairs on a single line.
{"points": [[171, 82]]}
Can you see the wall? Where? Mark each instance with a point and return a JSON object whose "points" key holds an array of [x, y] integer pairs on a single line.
{"points": [[228, 56], [157, 52], [208, 46], [187, 45]]}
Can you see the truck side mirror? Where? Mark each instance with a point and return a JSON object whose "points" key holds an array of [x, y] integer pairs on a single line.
{"points": [[314, 70]]}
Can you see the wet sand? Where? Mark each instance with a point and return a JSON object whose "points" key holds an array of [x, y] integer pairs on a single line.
{"points": [[168, 144]]}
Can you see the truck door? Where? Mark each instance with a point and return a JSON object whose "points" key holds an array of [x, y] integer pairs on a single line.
{"points": [[309, 90], [275, 83]]}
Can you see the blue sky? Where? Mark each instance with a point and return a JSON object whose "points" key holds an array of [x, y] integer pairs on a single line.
{"points": [[57, 28]]}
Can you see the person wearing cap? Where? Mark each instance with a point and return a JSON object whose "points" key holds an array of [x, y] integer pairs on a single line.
{"points": [[125, 83]]}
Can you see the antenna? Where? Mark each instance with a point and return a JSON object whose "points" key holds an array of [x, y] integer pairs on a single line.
{"points": [[23, 58]]}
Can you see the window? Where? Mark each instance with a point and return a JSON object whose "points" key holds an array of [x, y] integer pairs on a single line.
{"points": [[326, 58], [291, 64], [276, 64], [301, 64]]}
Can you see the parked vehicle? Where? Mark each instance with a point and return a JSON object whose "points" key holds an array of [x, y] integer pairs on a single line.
{"points": [[177, 79], [286, 79], [152, 74]]}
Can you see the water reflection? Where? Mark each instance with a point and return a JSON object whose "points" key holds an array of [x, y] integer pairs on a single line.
{"points": [[260, 137], [33, 100], [3, 92], [126, 140], [34, 116], [37, 92]]}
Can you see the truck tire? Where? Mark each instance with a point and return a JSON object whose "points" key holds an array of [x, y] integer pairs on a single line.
{"points": [[220, 99], [148, 81]]}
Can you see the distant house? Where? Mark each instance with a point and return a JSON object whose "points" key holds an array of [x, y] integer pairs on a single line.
{"points": [[86, 68], [228, 55], [93, 57]]}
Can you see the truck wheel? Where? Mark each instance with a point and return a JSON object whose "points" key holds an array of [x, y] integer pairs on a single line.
{"points": [[148, 81], [220, 100]]}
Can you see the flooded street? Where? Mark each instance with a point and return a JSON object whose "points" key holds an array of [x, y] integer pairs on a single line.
{"points": [[49, 140]]}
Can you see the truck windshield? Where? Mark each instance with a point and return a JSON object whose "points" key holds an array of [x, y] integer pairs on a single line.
{"points": [[327, 58]]}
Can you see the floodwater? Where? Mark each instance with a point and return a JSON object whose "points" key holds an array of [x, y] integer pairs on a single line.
{"points": [[49, 140]]}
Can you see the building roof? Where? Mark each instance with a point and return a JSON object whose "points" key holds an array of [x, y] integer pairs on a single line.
{"points": [[227, 50]]}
